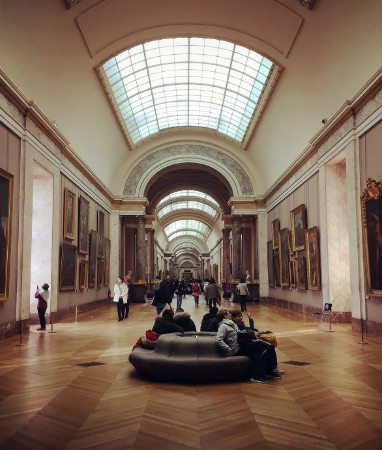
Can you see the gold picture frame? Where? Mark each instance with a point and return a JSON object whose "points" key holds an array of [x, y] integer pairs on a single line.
{"points": [[101, 234], [284, 257], [298, 226], [313, 266], [69, 214], [371, 208], [68, 267], [275, 225], [6, 196], [83, 274], [300, 272], [83, 226], [93, 243]]}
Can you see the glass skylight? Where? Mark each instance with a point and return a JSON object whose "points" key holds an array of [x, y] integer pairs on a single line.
{"points": [[187, 205], [188, 193], [181, 82], [187, 227]]}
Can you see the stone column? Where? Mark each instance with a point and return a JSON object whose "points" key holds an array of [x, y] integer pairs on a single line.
{"points": [[226, 257], [236, 248], [140, 276], [150, 254]]}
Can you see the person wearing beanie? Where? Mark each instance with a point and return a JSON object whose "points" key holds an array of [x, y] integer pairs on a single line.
{"points": [[42, 304]]}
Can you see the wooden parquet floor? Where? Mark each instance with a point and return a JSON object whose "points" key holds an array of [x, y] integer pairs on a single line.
{"points": [[48, 400]]}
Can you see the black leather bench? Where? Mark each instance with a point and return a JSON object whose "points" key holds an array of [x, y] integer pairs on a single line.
{"points": [[191, 356]]}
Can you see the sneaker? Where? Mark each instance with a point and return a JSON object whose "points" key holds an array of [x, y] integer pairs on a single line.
{"points": [[279, 371], [41, 329], [274, 375], [259, 380]]}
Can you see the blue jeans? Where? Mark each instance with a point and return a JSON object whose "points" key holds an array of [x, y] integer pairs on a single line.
{"points": [[179, 299]]}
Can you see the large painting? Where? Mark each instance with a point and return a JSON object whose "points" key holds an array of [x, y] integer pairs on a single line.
{"points": [[275, 233], [69, 214], [83, 226], [371, 202], [284, 257], [68, 267], [271, 274], [313, 266], [6, 201], [101, 234], [100, 273], [298, 226], [92, 258]]}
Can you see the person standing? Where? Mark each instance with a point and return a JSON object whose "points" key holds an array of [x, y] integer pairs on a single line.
{"points": [[42, 304], [212, 293], [180, 292], [243, 292], [196, 292], [120, 297], [161, 296], [130, 295]]}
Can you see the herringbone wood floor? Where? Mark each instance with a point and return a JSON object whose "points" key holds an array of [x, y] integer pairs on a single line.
{"points": [[49, 401]]}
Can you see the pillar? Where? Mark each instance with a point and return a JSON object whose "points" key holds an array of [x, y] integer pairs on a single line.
{"points": [[236, 248]]}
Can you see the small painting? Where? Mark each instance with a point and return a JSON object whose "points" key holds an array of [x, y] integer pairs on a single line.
{"points": [[69, 214], [298, 226], [92, 258], [313, 259], [100, 273], [284, 257], [271, 275], [300, 272], [107, 261], [101, 234], [83, 276], [275, 233], [83, 226], [68, 267]]}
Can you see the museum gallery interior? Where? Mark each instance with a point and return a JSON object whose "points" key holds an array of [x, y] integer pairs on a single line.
{"points": [[194, 139]]}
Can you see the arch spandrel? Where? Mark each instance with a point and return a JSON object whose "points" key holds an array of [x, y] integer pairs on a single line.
{"points": [[235, 175]]}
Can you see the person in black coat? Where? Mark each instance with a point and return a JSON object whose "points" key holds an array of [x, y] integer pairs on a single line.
{"points": [[165, 324], [183, 319], [209, 321]]}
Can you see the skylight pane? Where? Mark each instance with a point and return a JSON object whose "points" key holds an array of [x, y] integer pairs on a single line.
{"points": [[184, 77]]}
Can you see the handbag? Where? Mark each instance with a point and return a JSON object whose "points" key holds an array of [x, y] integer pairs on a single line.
{"points": [[252, 345], [268, 336]]}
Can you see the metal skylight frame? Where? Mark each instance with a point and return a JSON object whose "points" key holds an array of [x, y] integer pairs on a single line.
{"points": [[188, 82], [187, 227]]}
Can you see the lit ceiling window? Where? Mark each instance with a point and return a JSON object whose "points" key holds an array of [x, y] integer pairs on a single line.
{"points": [[187, 227], [188, 193], [188, 82], [200, 206]]}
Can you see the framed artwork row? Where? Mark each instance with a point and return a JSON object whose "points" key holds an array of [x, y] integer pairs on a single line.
{"points": [[6, 202], [92, 245], [294, 255]]}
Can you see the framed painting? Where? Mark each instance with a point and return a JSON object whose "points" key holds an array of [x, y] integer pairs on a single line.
{"points": [[300, 272], [83, 275], [69, 214], [298, 226], [276, 269], [371, 206], [271, 275], [284, 257], [83, 226], [275, 233], [101, 234], [292, 274], [313, 267], [107, 261], [6, 196], [92, 258], [290, 245], [68, 267], [100, 273]]}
